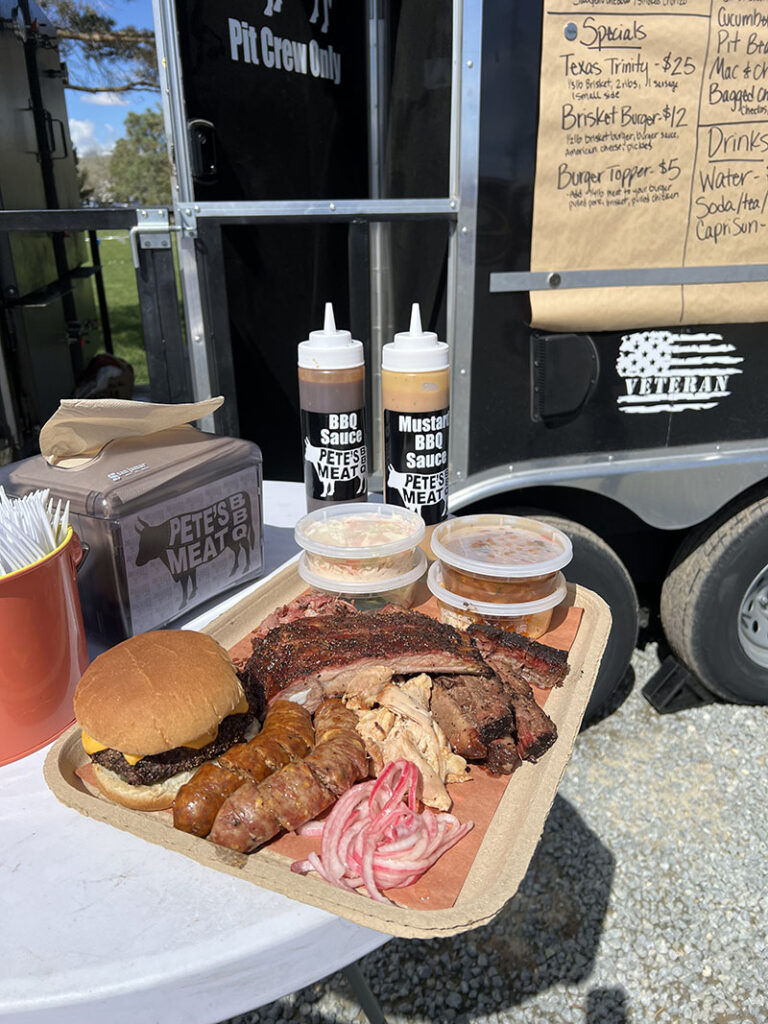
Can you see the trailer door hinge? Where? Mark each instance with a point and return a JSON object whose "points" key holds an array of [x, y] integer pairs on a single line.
{"points": [[153, 231]]}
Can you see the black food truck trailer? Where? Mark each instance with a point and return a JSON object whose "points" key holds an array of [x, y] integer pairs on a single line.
{"points": [[576, 196]]}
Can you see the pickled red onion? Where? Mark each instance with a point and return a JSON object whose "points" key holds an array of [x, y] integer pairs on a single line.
{"points": [[375, 837]]}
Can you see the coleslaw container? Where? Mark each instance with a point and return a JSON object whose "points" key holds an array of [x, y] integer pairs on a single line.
{"points": [[358, 543], [531, 618], [402, 590], [500, 559]]}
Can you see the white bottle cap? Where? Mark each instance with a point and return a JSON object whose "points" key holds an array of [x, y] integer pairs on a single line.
{"points": [[330, 349], [415, 350]]}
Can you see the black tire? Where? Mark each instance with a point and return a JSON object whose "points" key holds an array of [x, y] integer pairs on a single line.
{"points": [[597, 566], [702, 597]]}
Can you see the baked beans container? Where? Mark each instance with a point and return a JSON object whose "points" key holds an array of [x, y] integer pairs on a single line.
{"points": [[531, 618], [499, 559]]}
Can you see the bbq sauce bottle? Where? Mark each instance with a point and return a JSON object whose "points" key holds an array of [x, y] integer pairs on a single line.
{"points": [[332, 401], [415, 388]]}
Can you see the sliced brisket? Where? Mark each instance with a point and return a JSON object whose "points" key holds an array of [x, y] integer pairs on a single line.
{"points": [[512, 654], [327, 651], [534, 730], [472, 711]]}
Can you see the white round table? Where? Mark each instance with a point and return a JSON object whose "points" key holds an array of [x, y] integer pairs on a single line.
{"points": [[97, 925]]}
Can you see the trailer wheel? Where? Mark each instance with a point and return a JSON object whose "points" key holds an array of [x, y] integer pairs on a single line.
{"points": [[714, 605], [597, 566]]}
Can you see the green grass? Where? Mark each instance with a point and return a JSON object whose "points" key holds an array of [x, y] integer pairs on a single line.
{"points": [[123, 302]]}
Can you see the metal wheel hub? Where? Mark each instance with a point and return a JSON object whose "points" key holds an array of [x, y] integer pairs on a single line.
{"points": [[753, 619]]}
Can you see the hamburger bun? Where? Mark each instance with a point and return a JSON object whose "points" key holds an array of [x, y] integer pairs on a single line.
{"points": [[149, 695], [156, 797]]}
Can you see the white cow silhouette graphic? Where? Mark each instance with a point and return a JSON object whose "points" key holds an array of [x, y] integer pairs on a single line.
{"points": [[314, 455], [275, 6], [397, 481]]}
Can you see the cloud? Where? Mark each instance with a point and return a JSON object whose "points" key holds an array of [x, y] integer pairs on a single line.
{"points": [[104, 99], [83, 135]]}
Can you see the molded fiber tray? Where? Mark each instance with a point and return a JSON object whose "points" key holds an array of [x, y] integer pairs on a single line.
{"points": [[506, 844]]}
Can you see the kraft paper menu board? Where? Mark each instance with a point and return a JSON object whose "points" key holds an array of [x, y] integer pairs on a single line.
{"points": [[500, 856], [652, 152]]}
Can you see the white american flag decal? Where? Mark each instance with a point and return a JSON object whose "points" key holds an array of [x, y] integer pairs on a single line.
{"points": [[667, 372]]}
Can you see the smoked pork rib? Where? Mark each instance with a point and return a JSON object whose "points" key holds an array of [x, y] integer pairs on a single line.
{"points": [[514, 654], [325, 653]]}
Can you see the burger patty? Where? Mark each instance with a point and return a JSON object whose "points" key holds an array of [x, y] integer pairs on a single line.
{"points": [[159, 767]]}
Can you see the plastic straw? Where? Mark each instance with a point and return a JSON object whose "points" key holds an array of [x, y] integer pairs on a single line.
{"points": [[30, 529]]}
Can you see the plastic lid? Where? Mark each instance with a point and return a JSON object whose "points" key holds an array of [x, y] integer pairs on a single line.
{"points": [[330, 349], [509, 547], [361, 587], [435, 584], [415, 350], [357, 523]]}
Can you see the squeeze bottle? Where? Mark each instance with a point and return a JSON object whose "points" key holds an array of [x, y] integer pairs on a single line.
{"points": [[332, 401], [415, 388]]}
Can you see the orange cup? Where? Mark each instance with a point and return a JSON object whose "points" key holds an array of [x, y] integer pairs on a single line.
{"points": [[43, 651]]}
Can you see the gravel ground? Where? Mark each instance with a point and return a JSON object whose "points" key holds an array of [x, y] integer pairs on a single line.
{"points": [[645, 900]]}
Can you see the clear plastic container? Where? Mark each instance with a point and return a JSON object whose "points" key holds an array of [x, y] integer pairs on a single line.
{"points": [[360, 543], [403, 590], [531, 618], [500, 559]]}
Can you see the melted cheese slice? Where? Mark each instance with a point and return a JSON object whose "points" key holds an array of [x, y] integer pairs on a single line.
{"points": [[92, 746]]}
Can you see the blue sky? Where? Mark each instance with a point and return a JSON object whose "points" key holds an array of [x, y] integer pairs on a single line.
{"points": [[96, 120]]}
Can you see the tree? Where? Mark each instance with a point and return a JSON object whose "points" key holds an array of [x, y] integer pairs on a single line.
{"points": [[139, 169], [100, 56], [96, 184]]}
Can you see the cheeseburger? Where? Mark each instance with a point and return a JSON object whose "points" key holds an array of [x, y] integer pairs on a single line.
{"points": [[154, 708]]}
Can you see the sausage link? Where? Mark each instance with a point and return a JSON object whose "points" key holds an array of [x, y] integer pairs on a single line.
{"points": [[295, 796], [293, 743], [291, 716], [247, 761], [198, 801], [244, 821], [287, 735], [333, 714], [297, 792], [338, 764]]}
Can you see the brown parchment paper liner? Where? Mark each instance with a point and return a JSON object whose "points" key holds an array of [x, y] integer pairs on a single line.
{"points": [[505, 848]]}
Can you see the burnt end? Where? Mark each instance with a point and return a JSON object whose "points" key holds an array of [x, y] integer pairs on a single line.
{"points": [[322, 646], [503, 757], [512, 654], [474, 709], [159, 767]]}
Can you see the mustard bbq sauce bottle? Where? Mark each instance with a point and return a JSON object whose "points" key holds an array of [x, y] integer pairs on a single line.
{"points": [[332, 401], [415, 390]]}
